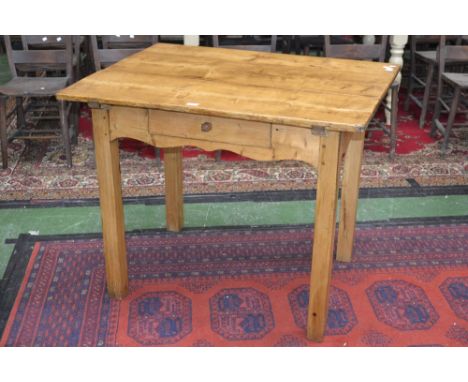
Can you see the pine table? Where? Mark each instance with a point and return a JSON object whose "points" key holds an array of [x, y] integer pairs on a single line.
{"points": [[264, 106]]}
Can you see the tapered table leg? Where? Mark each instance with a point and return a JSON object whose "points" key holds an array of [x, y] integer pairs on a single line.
{"points": [[110, 195], [349, 195], [324, 235], [174, 188]]}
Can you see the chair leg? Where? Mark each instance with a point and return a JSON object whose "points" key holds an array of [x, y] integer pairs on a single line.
{"points": [[3, 132], [20, 118], [297, 44], [157, 152], [427, 93], [217, 155], [393, 122], [451, 118], [75, 122], [436, 116], [409, 92], [65, 131], [76, 70]]}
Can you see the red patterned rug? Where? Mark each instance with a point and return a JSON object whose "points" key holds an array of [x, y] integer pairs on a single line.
{"points": [[406, 286], [38, 171]]}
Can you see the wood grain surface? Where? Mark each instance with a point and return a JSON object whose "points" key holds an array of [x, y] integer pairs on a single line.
{"points": [[276, 88]]}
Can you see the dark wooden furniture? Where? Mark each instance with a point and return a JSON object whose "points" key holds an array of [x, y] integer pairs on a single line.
{"points": [[370, 52], [57, 42], [128, 41], [255, 43], [107, 50], [455, 85], [423, 66], [48, 42], [307, 44], [37, 75], [261, 105]]}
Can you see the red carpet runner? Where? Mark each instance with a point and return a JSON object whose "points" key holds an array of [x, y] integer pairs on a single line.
{"points": [[406, 286]]}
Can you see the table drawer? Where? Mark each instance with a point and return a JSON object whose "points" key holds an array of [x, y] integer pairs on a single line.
{"points": [[213, 129]]}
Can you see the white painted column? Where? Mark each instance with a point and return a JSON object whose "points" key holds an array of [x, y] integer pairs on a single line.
{"points": [[192, 39], [397, 46]]}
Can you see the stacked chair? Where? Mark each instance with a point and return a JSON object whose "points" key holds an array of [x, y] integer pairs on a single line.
{"points": [[452, 89], [107, 50], [40, 66], [423, 66]]}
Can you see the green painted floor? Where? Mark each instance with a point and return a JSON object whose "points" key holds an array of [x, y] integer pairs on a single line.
{"points": [[71, 220]]}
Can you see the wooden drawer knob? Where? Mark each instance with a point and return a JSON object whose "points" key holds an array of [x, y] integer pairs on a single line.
{"points": [[206, 126]]}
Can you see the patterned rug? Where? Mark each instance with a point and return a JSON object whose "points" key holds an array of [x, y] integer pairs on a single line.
{"points": [[406, 286], [38, 170]]}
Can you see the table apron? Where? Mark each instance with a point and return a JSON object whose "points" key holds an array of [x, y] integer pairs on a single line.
{"points": [[252, 139]]}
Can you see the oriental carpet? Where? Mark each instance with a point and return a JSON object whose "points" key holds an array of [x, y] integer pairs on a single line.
{"points": [[38, 171], [406, 286]]}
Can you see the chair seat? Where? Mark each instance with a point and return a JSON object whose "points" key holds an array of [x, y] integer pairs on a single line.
{"points": [[34, 86], [428, 56], [457, 79]]}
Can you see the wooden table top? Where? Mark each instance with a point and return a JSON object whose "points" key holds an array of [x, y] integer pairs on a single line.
{"points": [[269, 87]]}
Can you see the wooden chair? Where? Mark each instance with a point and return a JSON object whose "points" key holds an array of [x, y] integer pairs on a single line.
{"points": [[423, 64], [51, 42], [37, 75], [370, 52], [307, 43], [54, 42], [107, 50], [456, 83]]}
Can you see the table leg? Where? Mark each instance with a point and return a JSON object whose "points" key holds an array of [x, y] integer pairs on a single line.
{"points": [[110, 195], [349, 195], [324, 235], [174, 188]]}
